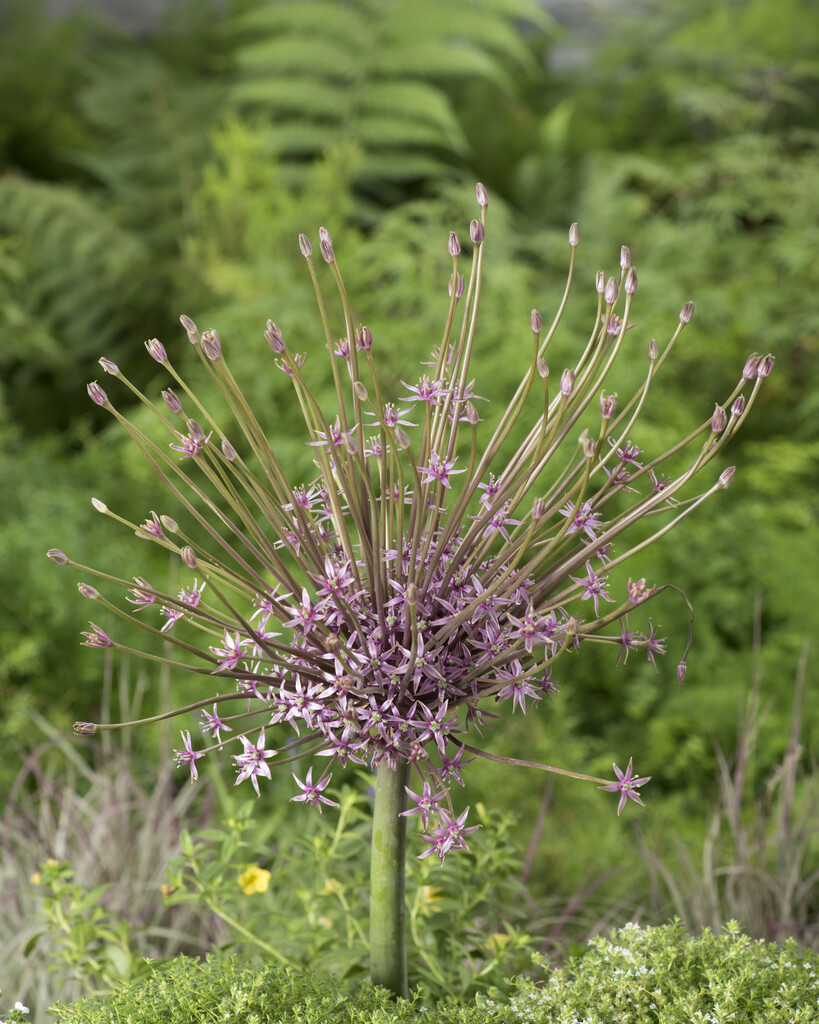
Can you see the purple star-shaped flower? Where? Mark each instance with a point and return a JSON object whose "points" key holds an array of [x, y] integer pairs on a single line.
{"points": [[312, 792], [626, 786]]}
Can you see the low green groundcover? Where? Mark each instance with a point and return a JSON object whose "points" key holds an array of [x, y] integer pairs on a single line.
{"points": [[637, 976]]}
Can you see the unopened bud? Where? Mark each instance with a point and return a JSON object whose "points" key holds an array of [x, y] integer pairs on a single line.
{"points": [[481, 195], [612, 291], [189, 558], [454, 245], [459, 286], [188, 324], [402, 438], [539, 508], [327, 251], [412, 594], [631, 281], [100, 506], [751, 366], [567, 382], [97, 395], [273, 336], [766, 365], [195, 432], [718, 420], [738, 408], [726, 477], [109, 366], [156, 350], [471, 414], [570, 626], [304, 245], [211, 345], [88, 591], [587, 444], [228, 450], [360, 391], [543, 368], [625, 257], [350, 444], [536, 321], [608, 403], [57, 556], [600, 282], [681, 670], [169, 524], [686, 313], [363, 339], [172, 402], [653, 349], [84, 728], [574, 236], [477, 232]]}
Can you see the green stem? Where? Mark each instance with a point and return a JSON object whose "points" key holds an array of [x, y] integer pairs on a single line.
{"points": [[388, 944]]}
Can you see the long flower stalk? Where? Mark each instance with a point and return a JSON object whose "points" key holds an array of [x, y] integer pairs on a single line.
{"points": [[419, 574]]}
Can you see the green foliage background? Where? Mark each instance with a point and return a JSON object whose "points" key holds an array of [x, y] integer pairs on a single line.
{"points": [[145, 177]]}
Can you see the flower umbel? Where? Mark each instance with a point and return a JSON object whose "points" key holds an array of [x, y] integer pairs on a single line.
{"points": [[426, 568]]}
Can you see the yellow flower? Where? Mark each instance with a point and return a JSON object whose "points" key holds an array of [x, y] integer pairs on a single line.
{"points": [[36, 878], [431, 893], [254, 879]]}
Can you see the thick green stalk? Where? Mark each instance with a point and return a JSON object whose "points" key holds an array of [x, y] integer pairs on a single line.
{"points": [[388, 944]]}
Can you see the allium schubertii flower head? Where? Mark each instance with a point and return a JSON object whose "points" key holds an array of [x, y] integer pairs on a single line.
{"points": [[370, 614]]}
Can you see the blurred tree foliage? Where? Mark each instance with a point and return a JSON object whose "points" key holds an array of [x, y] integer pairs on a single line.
{"points": [[142, 178]]}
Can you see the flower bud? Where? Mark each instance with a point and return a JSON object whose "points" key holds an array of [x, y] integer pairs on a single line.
{"points": [[350, 444], [188, 324], [766, 365], [719, 420], [631, 281], [471, 414], [211, 345], [84, 728], [109, 366], [567, 382], [738, 408], [608, 403], [536, 321], [751, 366], [588, 446], [726, 477], [189, 558], [539, 509], [170, 524], [653, 349], [454, 245], [574, 236], [228, 450], [481, 195], [543, 368], [412, 594], [100, 506], [600, 282], [172, 402], [637, 592], [88, 591], [570, 627], [611, 292], [57, 556], [156, 350], [459, 286], [360, 391], [304, 245], [195, 432], [97, 395], [274, 338], [686, 313], [402, 438], [625, 257], [363, 339], [477, 232], [681, 670], [327, 251]]}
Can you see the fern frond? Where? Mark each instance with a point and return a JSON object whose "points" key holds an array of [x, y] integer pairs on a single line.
{"points": [[376, 74]]}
